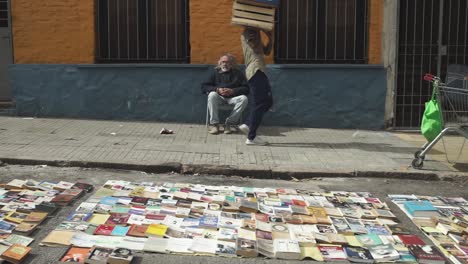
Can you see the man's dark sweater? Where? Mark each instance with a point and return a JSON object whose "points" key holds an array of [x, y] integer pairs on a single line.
{"points": [[233, 79]]}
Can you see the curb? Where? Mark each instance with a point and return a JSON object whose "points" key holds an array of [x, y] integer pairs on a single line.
{"points": [[248, 171]]}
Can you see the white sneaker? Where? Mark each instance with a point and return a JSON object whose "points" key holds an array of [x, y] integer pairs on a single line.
{"points": [[244, 129], [256, 141]]}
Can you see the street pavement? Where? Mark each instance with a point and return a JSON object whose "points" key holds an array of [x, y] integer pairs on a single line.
{"points": [[294, 152], [379, 187]]}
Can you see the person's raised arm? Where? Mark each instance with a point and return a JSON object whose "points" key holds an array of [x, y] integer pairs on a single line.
{"points": [[269, 46]]}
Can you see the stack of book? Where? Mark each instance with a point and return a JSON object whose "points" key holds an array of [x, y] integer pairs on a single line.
{"points": [[445, 222], [195, 219], [24, 205]]}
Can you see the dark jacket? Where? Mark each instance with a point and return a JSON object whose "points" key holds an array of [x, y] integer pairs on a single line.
{"points": [[234, 79]]}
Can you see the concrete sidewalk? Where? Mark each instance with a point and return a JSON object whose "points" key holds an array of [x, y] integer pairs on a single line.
{"points": [[293, 152]]}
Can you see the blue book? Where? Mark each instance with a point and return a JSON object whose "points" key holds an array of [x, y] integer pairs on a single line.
{"points": [[109, 200], [209, 222], [420, 208], [120, 231]]}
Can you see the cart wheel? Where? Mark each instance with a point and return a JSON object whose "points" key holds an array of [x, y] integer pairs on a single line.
{"points": [[417, 153], [417, 163]]}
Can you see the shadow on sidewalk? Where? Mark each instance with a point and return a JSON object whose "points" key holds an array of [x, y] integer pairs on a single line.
{"points": [[462, 167], [279, 131], [362, 146]]}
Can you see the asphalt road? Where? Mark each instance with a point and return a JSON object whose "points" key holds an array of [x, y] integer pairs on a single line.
{"points": [[378, 187]]}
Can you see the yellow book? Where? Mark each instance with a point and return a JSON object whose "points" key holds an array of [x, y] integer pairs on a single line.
{"points": [[98, 219], [311, 252], [138, 192], [16, 217], [352, 241], [156, 230]]}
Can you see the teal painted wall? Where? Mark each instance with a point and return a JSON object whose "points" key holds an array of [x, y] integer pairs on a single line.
{"points": [[326, 96]]}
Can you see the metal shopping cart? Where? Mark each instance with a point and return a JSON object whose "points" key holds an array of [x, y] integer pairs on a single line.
{"points": [[453, 99]]}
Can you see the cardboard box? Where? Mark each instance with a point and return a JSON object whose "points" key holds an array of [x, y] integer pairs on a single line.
{"points": [[253, 16]]}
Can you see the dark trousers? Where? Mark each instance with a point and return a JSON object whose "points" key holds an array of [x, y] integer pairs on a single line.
{"points": [[260, 101]]}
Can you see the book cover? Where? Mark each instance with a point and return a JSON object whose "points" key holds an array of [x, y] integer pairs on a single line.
{"points": [[120, 256], [209, 222], [16, 217], [357, 254], [157, 230], [58, 238], [83, 186], [420, 208], [98, 255], [73, 192], [16, 253], [286, 249], [75, 254], [411, 240], [104, 230], [120, 231], [369, 240], [137, 230], [19, 239], [225, 248], [78, 217], [332, 253], [62, 199], [63, 185], [384, 253], [246, 248], [117, 219], [98, 219], [25, 228], [427, 253], [227, 234], [36, 217]]}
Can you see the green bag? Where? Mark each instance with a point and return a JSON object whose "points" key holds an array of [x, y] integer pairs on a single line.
{"points": [[432, 123]]}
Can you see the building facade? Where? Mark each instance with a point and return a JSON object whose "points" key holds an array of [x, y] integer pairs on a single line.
{"points": [[335, 62]]}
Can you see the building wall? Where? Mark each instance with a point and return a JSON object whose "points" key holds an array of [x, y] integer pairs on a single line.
{"points": [[156, 92], [62, 31], [211, 32], [375, 31], [53, 31]]}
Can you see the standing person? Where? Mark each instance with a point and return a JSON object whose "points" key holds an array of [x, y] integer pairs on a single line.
{"points": [[260, 90], [225, 85]]}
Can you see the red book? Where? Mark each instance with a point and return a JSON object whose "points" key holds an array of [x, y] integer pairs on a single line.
{"points": [[261, 217], [139, 200], [427, 254], [411, 240], [155, 216], [104, 230], [117, 219], [298, 202]]}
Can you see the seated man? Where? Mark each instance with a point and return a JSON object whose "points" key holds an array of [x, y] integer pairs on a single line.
{"points": [[226, 85]]}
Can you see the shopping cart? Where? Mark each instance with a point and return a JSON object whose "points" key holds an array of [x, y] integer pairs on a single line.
{"points": [[453, 99]]}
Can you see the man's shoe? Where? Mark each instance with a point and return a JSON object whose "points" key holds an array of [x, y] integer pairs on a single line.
{"points": [[227, 129], [244, 129], [256, 141], [214, 129]]}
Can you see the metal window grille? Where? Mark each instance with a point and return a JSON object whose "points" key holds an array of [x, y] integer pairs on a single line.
{"points": [[142, 31], [432, 35], [322, 31], [3, 13]]}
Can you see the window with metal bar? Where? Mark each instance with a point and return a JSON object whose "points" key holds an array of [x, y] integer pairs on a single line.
{"points": [[3, 13], [322, 31], [142, 31]]}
